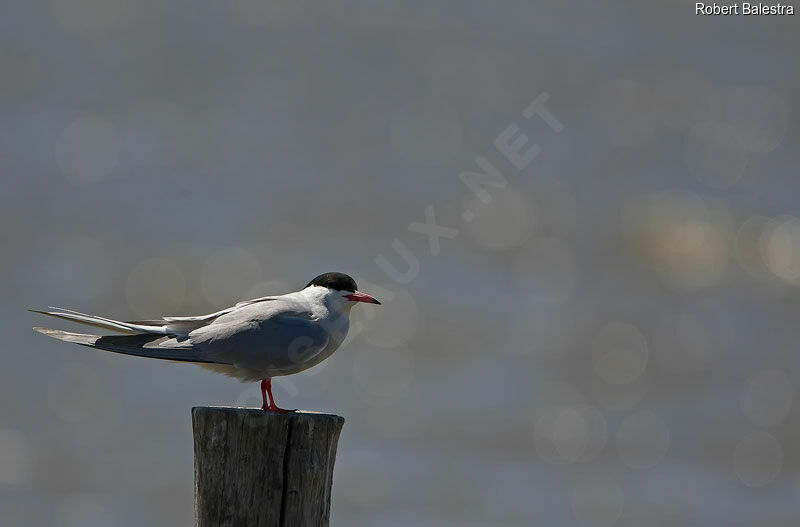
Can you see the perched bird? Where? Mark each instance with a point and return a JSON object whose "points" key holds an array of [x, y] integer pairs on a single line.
{"points": [[253, 340]]}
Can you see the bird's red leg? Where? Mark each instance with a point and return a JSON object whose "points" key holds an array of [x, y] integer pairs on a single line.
{"points": [[264, 384], [266, 391]]}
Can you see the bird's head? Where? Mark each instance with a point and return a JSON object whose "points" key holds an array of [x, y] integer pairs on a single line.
{"points": [[340, 290]]}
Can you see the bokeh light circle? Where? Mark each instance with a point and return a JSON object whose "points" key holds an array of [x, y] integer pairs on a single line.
{"points": [[780, 245], [568, 433], [748, 246], [759, 116], [619, 353], [681, 235], [597, 501], [758, 459], [642, 439]]}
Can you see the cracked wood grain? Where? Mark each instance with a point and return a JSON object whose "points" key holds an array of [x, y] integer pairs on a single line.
{"points": [[256, 468]]}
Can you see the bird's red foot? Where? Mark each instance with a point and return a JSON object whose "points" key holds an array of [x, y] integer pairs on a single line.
{"points": [[268, 402], [277, 410]]}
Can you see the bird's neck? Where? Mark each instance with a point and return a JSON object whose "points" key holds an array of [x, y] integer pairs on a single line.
{"points": [[325, 304]]}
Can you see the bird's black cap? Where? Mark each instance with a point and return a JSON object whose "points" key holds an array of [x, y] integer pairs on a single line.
{"points": [[335, 281]]}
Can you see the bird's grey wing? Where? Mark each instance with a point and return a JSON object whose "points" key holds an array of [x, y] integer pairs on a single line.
{"points": [[278, 336], [185, 324], [179, 326]]}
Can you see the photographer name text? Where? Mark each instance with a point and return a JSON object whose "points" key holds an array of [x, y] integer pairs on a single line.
{"points": [[743, 9]]}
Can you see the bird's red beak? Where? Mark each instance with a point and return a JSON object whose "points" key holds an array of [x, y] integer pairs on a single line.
{"points": [[358, 296]]}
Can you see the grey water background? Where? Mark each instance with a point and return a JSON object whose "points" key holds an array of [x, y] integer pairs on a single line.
{"points": [[612, 339]]}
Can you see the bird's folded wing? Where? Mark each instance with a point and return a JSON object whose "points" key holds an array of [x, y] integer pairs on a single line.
{"points": [[182, 325], [278, 337]]}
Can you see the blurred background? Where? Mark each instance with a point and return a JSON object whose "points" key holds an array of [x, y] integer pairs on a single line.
{"points": [[608, 339]]}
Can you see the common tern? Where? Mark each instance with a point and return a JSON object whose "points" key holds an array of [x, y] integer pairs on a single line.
{"points": [[254, 340]]}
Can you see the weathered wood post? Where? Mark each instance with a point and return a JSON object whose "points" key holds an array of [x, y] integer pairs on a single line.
{"points": [[262, 469]]}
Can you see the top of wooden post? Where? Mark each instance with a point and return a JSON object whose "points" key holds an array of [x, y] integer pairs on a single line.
{"points": [[259, 413], [254, 467]]}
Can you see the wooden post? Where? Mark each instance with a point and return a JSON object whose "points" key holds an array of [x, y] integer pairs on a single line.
{"points": [[262, 469]]}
